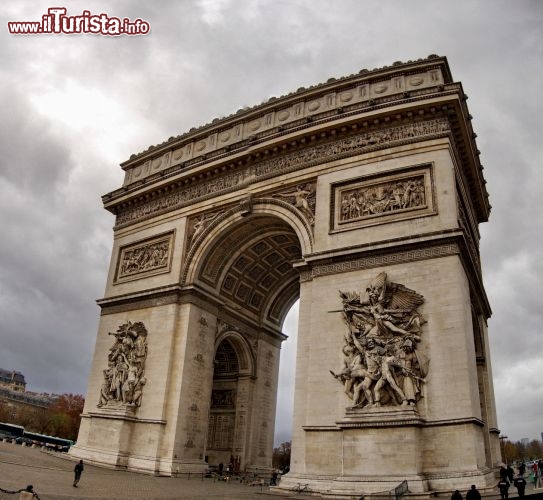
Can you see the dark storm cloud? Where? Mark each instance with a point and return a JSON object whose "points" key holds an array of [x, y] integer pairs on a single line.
{"points": [[206, 59], [48, 257]]}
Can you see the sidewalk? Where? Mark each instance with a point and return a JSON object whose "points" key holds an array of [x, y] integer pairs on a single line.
{"points": [[52, 478]]}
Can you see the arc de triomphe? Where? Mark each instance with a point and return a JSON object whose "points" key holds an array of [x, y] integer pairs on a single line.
{"points": [[361, 197]]}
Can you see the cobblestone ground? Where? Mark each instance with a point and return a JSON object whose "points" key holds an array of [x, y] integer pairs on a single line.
{"points": [[52, 478]]}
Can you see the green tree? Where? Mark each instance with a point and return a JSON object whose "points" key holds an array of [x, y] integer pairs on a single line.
{"points": [[65, 414], [534, 450], [281, 455], [61, 418]]}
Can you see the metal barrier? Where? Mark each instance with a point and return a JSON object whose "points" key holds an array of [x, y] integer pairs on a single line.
{"points": [[400, 490]]}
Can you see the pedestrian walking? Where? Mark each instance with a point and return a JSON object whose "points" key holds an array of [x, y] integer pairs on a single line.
{"points": [[503, 485], [520, 485], [510, 474], [78, 469], [473, 494], [522, 469], [535, 475]]}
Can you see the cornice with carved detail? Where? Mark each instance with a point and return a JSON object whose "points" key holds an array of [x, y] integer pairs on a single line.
{"points": [[311, 155]]}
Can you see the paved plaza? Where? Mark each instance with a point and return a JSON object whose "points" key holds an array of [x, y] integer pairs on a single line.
{"points": [[52, 476]]}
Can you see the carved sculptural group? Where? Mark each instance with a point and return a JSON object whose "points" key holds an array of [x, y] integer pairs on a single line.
{"points": [[381, 362], [383, 198], [144, 258], [124, 377]]}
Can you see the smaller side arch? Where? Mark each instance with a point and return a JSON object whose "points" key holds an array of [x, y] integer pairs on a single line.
{"points": [[243, 350]]}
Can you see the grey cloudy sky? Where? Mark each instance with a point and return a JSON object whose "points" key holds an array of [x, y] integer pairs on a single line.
{"points": [[73, 107]]}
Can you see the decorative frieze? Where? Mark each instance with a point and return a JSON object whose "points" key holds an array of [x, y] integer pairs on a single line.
{"points": [[144, 258], [309, 156], [347, 95], [380, 260]]}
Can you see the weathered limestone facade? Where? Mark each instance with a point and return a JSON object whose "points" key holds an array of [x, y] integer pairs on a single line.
{"points": [[370, 185]]}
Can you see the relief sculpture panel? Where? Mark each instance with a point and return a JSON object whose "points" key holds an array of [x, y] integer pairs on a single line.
{"points": [[372, 200], [382, 364], [144, 258], [124, 378], [381, 198]]}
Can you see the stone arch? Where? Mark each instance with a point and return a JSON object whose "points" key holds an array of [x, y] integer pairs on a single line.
{"points": [[232, 386], [267, 206], [248, 258], [212, 230], [244, 352]]}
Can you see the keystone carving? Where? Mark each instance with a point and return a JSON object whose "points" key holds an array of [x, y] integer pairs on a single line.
{"points": [[381, 362]]}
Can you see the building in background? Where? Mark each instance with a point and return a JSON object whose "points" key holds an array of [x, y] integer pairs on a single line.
{"points": [[17, 405], [12, 380]]}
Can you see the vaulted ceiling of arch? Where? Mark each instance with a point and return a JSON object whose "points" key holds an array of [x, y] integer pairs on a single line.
{"points": [[251, 266]]}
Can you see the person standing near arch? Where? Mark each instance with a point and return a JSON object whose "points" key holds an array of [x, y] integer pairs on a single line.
{"points": [[78, 470]]}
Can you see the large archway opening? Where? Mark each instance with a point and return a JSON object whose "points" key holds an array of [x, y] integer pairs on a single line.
{"points": [[285, 386], [227, 383], [248, 266]]}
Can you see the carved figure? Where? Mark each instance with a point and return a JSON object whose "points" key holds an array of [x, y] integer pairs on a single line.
{"points": [[381, 365], [123, 379], [388, 362], [105, 392], [200, 224], [304, 200], [369, 374], [138, 391], [412, 370]]}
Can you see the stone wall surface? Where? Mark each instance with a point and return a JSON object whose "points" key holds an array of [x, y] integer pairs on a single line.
{"points": [[362, 197]]}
